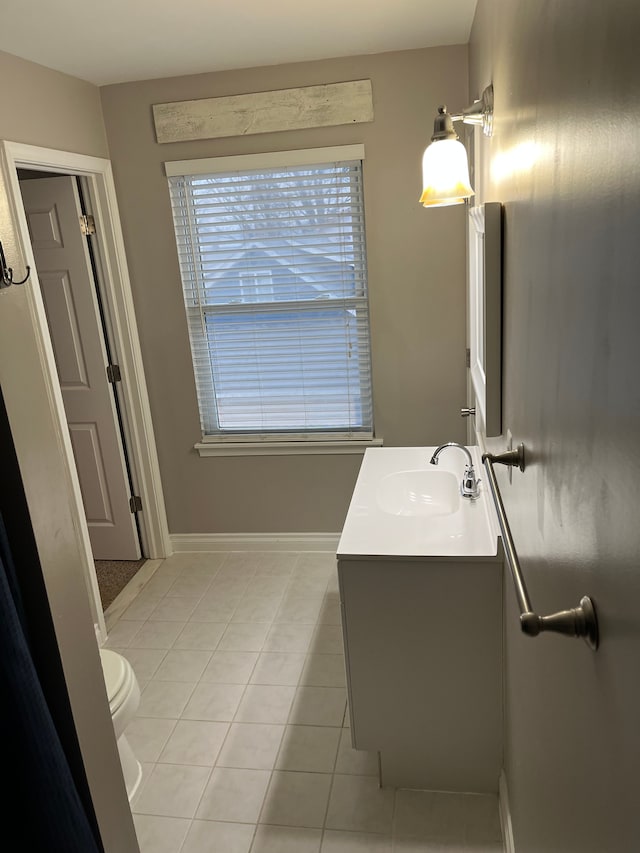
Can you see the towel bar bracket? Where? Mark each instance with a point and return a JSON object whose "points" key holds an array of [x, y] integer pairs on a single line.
{"points": [[578, 622], [513, 458]]}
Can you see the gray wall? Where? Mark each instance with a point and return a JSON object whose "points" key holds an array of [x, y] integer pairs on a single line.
{"points": [[416, 275], [566, 86], [44, 107]]}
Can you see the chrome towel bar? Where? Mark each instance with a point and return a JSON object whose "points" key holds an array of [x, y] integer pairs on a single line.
{"points": [[580, 621]]}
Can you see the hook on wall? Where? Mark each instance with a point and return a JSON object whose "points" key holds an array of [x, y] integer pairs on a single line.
{"points": [[6, 273]]}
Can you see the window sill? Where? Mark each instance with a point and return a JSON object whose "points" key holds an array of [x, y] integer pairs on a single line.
{"points": [[285, 448]]}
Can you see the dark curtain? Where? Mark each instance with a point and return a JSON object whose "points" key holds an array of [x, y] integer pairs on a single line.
{"points": [[46, 807]]}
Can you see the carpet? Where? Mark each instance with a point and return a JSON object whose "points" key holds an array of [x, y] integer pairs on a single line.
{"points": [[113, 576]]}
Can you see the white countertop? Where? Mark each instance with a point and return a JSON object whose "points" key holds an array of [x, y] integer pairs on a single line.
{"points": [[380, 524]]}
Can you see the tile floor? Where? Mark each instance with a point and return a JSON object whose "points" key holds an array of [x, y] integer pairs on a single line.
{"points": [[242, 729]]}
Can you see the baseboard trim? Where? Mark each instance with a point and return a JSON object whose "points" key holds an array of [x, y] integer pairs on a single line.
{"points": [[505, 815], [254, 541]]}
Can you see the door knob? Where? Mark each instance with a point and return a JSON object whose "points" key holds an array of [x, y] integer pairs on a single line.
{"points": [[464, 413]]}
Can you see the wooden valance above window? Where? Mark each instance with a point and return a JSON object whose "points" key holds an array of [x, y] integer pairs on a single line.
{"points": [[264, 112]]}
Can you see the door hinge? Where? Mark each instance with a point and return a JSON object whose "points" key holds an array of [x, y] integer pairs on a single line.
{"points": [[87, 225], [113, 373], [135, 503], [468, 357]]}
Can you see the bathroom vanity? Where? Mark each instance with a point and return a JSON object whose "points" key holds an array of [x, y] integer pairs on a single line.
{"points": [[421, 596]]}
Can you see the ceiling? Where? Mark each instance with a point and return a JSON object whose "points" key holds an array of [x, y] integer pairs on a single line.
{"points": [[115, 41]]}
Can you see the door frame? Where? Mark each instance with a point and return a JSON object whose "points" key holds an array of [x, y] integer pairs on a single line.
{"points": [[122, 328]]}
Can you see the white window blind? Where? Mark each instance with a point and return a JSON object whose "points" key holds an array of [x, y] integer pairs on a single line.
{"points": [[274, 278]]}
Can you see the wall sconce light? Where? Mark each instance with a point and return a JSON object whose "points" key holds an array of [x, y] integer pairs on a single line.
{"points": [[445, 167]]}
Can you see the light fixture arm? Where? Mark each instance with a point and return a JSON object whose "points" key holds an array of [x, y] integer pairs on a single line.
{"points": [[480, 112]]}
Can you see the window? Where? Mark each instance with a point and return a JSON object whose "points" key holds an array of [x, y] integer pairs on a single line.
{"points": [[272, 258]]}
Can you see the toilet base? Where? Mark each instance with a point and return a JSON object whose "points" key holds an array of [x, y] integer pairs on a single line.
{"points": [[131, 768]]}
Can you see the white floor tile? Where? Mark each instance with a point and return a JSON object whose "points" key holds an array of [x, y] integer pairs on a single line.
{"points": [[273, 563], [174, 609], [165, 699], [324, 671], [417, 845], [265, 704], [144, 661], [289, 637], [170, 567], [173, 790], [286, 839], [268, 585], [304, 586], [316, 562], [178, 563], [213, 609], [330, 610], [471, 819], [355, 762], [142, 607], [123, 633], [318, 706], [230, 667], [299, 609], [253, 746], [200, 635], [182, 665], [147, 737], [234, 795], [228, 586], [194, 742], [160, 834], [256, 608], [278, 668], [217, 702], [211, 836], [358, 804], [157, 635], [251, 725], [309, 748], [327, 640], [190, 585], [296, 799], [246, 562], [337, 841], [147, 769], [244, 637]]}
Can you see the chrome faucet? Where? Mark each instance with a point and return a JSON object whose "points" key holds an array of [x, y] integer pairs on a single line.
{"points": [[469, 487]]}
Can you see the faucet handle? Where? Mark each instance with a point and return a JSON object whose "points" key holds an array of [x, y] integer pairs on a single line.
{"points": [[470, 486]]}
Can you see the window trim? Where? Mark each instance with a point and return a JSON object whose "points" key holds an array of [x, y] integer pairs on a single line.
{"points": [[283, 443], [268, 160], [230, 446]]}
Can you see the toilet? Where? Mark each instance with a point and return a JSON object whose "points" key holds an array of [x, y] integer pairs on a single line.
{"points": [[123, 693]]}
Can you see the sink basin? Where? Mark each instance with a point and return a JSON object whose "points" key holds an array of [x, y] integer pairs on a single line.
{"points": [[403, 506], [424, 493]]}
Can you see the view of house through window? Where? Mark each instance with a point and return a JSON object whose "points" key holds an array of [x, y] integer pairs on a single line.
{"points": [[274, 275]]}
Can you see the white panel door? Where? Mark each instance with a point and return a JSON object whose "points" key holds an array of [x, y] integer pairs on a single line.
{"points": [[53, 214]]}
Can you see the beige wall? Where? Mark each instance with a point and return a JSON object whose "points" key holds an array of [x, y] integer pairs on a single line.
{"points": [[39, 106], [416, 276], [45, 108], [566, 88]]}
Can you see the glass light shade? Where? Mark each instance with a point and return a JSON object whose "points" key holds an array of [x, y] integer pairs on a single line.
{"points": [[445, 174]]}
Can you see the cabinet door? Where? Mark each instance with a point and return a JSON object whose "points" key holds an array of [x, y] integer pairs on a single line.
{"points": [[423, 655]]}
